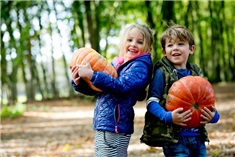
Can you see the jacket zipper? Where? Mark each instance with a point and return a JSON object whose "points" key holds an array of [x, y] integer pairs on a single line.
{"points": [[117, 118]]}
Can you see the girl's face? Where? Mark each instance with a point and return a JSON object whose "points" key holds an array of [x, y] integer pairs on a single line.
{"points": [[177, 52], [134, 44]]}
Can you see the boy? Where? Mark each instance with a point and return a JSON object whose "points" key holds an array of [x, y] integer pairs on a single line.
{"points": [[165, 128]]}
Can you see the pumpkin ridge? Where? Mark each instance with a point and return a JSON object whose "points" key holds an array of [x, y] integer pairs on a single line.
{"points": [[99, 64], [96, 60], [193, 87], [82, 55], [177, 100], [109, 68], [191, 98]]}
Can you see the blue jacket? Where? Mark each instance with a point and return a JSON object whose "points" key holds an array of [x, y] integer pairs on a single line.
{"points": [[114, 106]]}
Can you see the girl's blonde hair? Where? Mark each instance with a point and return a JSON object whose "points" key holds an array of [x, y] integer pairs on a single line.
{"points": [[147, 33], [179, 32]]}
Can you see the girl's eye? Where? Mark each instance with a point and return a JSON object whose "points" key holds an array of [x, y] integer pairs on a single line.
{"points": [[129, 40], [140, 42]]}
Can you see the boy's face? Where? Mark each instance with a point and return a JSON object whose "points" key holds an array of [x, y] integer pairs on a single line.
{"points": [[134, 44], [178, 51]]}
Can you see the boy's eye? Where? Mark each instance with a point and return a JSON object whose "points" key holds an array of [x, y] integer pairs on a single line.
{"points": [[181, 43], [169, 45], [129, 39]]}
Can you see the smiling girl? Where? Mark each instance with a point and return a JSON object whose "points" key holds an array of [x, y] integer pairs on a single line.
{"points": [[114, 114]]}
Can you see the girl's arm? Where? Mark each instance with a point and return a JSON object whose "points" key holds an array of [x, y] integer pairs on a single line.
{"points": [[79, 84], [83, 88]]}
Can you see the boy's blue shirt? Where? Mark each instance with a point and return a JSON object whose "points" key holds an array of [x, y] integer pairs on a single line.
{"points": [[157, 89]]}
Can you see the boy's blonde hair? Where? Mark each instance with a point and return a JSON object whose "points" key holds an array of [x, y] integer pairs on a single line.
{"points": [[147, 33], [179, 32]]}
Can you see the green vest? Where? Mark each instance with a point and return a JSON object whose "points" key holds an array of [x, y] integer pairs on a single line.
{"points": [[156, 132]]}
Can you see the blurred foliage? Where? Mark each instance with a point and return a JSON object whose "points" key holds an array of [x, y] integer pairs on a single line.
{"points": [[38, 39], [13, 111]]}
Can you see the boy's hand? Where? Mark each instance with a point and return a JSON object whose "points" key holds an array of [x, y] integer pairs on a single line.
{"points": [[85, 71], [179, 118], [207, 114], [75, 76]]}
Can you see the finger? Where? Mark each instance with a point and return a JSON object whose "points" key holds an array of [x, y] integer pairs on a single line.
{"points": [[206, 112], [183, 124], [213, 108], [187, 119], [77, 81], [178, 110], [71, 68], [75, 73], [74, 68], [205, 119], [203, 122], [187, 114]]}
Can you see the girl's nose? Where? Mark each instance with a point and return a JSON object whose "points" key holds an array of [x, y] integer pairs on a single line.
{"points": [[133, 43]]}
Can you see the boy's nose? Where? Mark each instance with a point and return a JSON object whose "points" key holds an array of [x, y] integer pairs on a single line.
{"points": [[175, 47]]}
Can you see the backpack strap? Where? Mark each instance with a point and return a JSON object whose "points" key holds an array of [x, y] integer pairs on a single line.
{"points": [[196, 71], [169, 75]]}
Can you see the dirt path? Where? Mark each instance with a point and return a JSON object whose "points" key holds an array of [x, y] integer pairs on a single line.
{"points": [[64, 129]]}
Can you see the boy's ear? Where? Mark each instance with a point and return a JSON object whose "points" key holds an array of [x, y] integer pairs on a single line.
{"points": [[192, 48], [163, 52]]}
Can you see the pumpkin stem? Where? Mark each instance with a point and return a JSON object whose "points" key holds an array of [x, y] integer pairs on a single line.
{"points": [[196, 106]]}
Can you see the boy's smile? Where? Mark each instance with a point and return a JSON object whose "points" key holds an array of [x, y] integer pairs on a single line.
{"points": [[177, 52]]}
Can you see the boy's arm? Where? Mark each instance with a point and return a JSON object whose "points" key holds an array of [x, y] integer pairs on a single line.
{"points": [[209, 116], [156, 90], [216, 118], [177, 116], [157, 110]]}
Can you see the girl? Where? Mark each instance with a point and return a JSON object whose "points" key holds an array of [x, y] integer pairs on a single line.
{"points": [[114, 114]]}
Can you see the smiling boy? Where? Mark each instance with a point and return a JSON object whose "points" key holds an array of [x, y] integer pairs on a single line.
{"points": [[166, 128]]}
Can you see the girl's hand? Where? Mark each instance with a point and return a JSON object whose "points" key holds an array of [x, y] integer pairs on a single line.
{"points": [[179, 118], [85, 71], [207, 114], [75, 76]]}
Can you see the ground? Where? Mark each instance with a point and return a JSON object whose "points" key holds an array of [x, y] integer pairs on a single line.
{"points": [[63, 128]]}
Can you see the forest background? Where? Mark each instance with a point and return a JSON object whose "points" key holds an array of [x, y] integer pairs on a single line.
{"points": [[38, 39], [41, 115]]}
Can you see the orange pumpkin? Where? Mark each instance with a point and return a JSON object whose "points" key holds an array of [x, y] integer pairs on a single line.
{"points": [[97, 62], [191, 92]]}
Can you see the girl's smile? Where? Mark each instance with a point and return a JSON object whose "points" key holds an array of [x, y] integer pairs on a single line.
{"points": [[134, 44]]}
